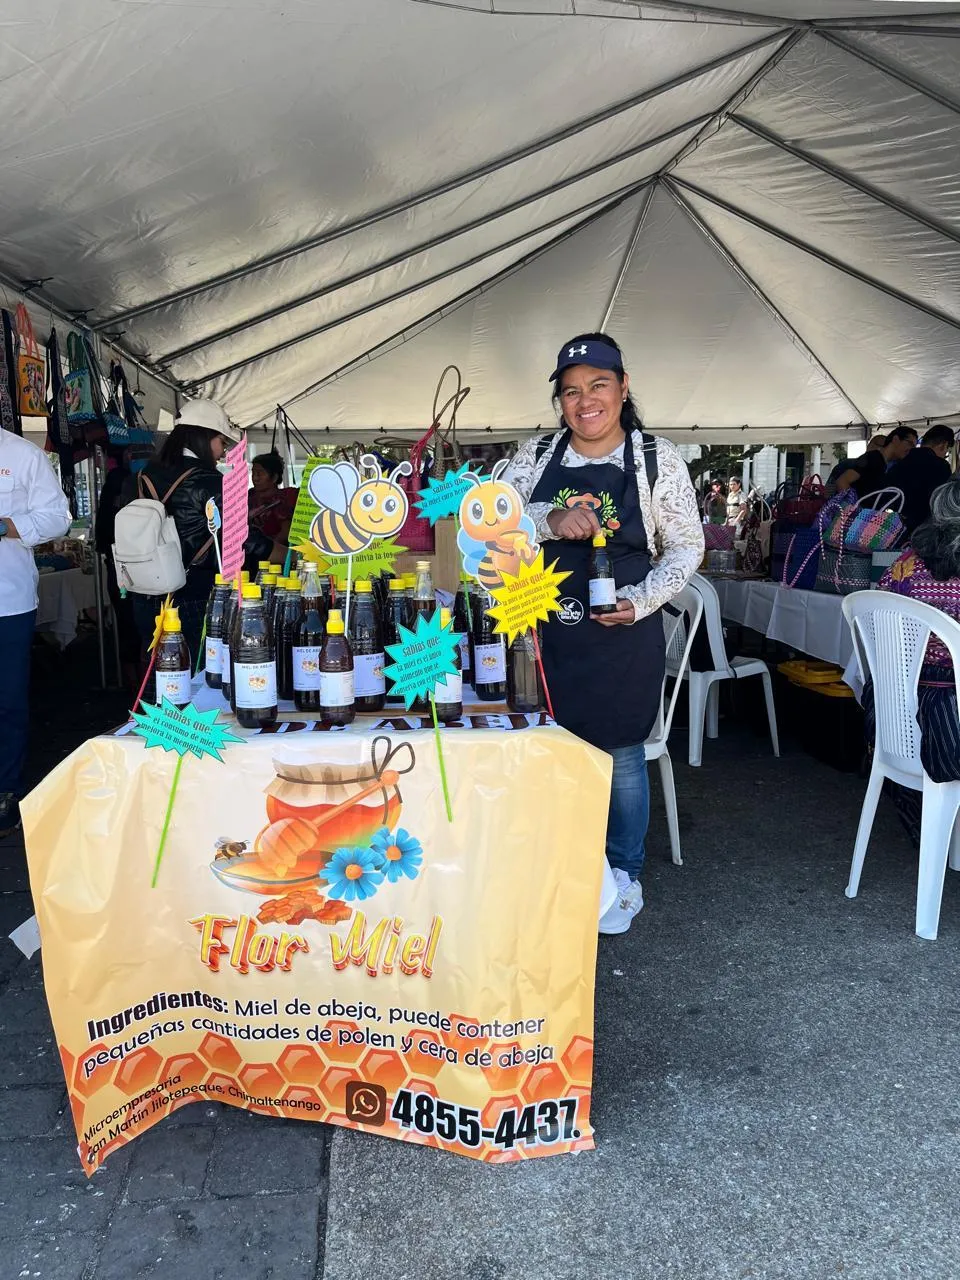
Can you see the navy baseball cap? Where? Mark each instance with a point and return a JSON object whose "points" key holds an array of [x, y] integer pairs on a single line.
{"points": [[599, 355]]}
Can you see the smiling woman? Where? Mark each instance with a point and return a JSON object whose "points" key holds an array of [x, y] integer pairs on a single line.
{"points": [[582, 487]]}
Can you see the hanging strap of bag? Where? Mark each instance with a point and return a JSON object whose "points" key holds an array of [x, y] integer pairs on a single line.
{"points": [[144, 482]]}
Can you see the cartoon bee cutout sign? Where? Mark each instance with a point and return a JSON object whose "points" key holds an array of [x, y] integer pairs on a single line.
{"points": [[496, 536], [354, 512]]}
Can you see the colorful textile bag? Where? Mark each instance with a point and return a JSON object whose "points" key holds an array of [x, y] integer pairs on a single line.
{"points": [[878, 527], [78, 385], [841, 572], [719, 537], [796, 555], [30, 371], [801, 507]]}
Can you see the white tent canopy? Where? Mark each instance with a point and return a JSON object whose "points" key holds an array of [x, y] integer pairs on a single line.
{"points": [[322, 204]]}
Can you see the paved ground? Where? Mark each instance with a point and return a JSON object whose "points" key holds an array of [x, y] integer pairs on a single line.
{"points": [[775, 1091]]}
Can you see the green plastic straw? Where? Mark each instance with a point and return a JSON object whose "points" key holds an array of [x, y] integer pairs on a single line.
{"points": [[443, 767], [286, 563], [166, 821]]}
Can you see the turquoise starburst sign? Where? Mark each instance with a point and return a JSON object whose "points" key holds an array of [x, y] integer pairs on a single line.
{"points": [[424, 657]]}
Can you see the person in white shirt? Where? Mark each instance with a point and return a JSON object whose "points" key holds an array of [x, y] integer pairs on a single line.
{"points": [[33, 509]]}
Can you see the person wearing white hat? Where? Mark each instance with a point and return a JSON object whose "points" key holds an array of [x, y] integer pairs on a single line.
{"points": [[183, 476]]}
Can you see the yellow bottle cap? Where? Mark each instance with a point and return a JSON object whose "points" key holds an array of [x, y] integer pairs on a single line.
{"points": [[396, 584], [599, 540], [171, 620], [276, 569], [465, 577], [263, 564], [409, 579], [444, 617], [269, 580], [251, 591], [293, 582], [219, 580], [363, 586], [244, 576], [335, 623], [342, 585]]}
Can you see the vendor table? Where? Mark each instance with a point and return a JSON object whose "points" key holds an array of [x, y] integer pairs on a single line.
{"points": [[62, 596], [323, 943], [809, 621]]}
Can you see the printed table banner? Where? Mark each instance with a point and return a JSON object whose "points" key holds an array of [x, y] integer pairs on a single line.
{"points": [[322, 943]]}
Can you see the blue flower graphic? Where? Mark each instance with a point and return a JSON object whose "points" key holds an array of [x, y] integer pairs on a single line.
{"points": [[398, 854], [353, 873]]}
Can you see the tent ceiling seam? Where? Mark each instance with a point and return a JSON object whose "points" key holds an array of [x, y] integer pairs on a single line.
{"points": [[710, 16], [348, 281], [735, 101], [828, 259], [889, 69], [62, 314], [433, 317], [610, 202], [761, 295], [627, 258], [432, 193], [847, 178]]}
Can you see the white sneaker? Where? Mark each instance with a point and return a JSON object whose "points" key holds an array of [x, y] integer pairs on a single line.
{"points": [[618, 918]]}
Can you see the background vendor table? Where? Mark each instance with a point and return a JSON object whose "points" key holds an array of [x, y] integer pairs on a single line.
{"points": [[808, 621], [62, 596]]}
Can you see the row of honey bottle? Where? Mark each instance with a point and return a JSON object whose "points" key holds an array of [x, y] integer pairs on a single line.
{"points": [[287, 641]]}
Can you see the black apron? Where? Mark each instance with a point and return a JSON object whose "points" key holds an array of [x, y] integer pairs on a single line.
{"points": [[604, 681]]}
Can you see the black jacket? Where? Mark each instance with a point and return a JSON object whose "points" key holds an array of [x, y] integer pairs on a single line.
{"points": [[917, 475], [187, 506]]}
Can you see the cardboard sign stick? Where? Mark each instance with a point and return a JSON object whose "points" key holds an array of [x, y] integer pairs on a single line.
{"points": [[536, 652], [440, 760], [346, 612], [166, 821]]}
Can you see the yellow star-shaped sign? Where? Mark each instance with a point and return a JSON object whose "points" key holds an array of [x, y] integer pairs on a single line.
{"points": [[526, 599]]}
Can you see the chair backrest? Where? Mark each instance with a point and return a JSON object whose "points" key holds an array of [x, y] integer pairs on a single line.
{"points": [[713, 621], [678, 631], [890, 635]]}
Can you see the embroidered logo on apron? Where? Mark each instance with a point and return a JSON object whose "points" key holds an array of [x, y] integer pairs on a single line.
{"points": [[602, 504]]}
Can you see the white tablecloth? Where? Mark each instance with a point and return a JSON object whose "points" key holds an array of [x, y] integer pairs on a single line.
{"points": [[62, 596], [808, 621]]}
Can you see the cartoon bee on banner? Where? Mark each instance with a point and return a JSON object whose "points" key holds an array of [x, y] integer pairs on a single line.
{"points": [[496, 535], [355, 512]]}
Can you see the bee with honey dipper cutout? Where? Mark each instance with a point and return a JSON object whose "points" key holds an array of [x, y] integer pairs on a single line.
{"points": [[496, 535], [355, 512]]}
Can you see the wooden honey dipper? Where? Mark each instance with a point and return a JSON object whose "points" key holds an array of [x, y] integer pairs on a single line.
{"points": [[389, 778]]}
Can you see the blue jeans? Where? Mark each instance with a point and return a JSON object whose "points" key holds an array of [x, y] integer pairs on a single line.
{"points": [[629, 814], [16, 637]]}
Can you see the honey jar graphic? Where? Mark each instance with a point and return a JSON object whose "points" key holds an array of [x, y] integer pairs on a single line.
{"points": [[314, 807]]}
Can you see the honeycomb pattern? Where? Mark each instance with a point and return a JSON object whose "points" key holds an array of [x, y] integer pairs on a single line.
{"points": [[317, 1077]]}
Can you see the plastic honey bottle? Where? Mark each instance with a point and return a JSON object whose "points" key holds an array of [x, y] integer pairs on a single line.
{"points": [[395, 615], [489, 654], [254, 664], [461, 623], [173, 662], [603, 588], [366, 641], [216, 613], [307, 639], [336, 673], [448, 693], [287, 622]]}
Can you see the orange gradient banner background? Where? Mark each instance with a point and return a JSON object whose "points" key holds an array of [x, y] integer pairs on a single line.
{"points": [[464, 978]]}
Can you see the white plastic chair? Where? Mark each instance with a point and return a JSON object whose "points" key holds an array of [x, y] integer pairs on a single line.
{"points": [[679, 630], [705, 685], [890, 635]]}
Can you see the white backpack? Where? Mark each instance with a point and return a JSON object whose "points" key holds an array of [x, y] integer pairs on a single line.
{"points": [[146, 548]]}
